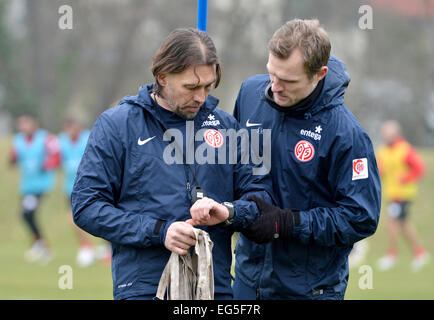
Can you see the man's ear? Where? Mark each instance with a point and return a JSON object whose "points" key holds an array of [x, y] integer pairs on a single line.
{"points": [[322, 72], [162, 79]]}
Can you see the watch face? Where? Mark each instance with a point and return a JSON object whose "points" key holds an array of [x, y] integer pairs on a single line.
{"points": [[228, 204]]}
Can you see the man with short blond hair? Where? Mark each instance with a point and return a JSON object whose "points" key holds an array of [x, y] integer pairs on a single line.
{"points": [[323, 171]]}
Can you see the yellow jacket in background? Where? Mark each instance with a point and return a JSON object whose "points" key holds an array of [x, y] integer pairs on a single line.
{"points": [[400, 167]]}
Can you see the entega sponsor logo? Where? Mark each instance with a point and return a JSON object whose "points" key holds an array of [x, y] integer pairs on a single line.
{"points": [[310, 134]]}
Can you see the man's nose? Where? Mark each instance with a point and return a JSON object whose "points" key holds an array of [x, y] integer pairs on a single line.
{"points": [[275, 86], [200, 96]]}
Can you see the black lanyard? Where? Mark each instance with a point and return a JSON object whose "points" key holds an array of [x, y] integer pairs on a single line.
{"points": [[197, 192]]}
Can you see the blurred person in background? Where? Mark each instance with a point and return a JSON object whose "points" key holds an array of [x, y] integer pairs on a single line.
{"points": [[36, 153], [72, 142], [401, 167], [358, 254]]}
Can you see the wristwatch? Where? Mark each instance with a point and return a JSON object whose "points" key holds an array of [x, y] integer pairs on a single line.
{"points": [[231, 209]]}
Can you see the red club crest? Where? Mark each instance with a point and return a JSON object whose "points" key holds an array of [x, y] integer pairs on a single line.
{"points": [[304, 151], [213, 138], [358, 166], [360, 169]]}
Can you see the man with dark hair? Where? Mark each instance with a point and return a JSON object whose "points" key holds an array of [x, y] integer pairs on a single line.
{"points": [[323, 170], [131, 191], [36, 154]]}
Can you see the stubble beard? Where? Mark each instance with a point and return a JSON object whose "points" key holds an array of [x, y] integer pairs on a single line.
{"points": [[179, 112]]}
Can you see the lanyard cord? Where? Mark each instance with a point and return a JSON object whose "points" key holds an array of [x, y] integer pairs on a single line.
{"points": [[186, 165]]}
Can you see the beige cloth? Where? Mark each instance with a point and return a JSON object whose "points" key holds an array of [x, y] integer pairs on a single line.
{"points": [[189, 277]]}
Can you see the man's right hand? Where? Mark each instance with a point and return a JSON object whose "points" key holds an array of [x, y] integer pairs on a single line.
{"points": [[180, 237]]}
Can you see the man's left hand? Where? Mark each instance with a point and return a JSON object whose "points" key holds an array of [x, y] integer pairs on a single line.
{"points": [[273, 223]]}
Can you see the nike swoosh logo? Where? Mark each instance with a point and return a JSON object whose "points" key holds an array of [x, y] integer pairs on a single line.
{"points": [[248, 124], [142, 142]]}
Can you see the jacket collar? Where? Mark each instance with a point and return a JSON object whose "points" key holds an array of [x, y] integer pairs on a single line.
{"points": [[300, 108]]}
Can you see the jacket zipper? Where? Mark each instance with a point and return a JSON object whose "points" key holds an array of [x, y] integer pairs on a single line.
{"points": [[282, 119]]}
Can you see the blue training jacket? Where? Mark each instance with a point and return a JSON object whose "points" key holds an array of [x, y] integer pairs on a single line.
{"points": [[127, 193], [323, 164]]}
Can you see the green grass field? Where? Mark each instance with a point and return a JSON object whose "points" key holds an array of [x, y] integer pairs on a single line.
{"points": [[22, 280]]}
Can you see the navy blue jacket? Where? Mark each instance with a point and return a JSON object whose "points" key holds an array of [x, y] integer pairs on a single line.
{"points": [[322, 164], [126, 193]]}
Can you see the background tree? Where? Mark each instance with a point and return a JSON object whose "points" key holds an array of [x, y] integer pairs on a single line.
{"points": [[108, 54]]}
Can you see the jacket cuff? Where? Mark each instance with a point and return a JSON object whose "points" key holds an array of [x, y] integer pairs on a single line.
{"points": [[159, 232], [246, 212], [301, 222]]}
